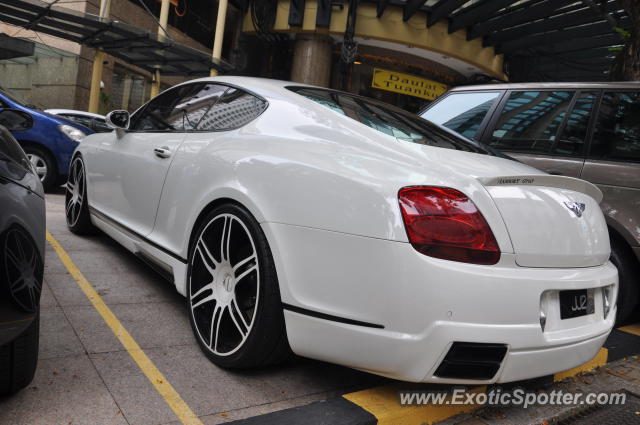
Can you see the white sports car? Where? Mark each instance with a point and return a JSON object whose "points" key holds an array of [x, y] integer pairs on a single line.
{"points": [[304, 219]]}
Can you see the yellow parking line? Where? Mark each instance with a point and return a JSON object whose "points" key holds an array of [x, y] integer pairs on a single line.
{"points": [[166, 390], [600, 359], [632, 329], [384, 404]]}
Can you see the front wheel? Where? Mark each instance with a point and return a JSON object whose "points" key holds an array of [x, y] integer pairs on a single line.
{"points": [[44, 166], [76, 202], [233, 294]]}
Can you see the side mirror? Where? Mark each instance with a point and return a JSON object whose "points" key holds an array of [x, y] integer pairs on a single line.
{"points": [[118, 119], [15, 120]]}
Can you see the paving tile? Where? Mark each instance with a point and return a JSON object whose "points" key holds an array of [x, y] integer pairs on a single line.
{"points": [[57, 338], [136, 396], [206, 388], [65, 391], [47, 300], [151, 325], [93, 332], [144, 286], [209, 389]]}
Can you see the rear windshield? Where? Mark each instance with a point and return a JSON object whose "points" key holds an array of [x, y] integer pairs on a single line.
{"points": [[389, 120]]}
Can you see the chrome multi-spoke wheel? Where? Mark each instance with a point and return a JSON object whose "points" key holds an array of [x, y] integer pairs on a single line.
{"points": [[39, 165], [75, 192], [224, 284], [43, 165], [76, 201], [232, 291], [23, 268]]}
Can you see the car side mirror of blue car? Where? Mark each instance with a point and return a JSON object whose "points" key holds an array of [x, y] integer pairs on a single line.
{"points": [[118, 119]]}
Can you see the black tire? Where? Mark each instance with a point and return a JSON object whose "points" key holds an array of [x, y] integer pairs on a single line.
{"points": [[77, 215], [19, 359], [50, 178], [266, 341], [628, 277]]}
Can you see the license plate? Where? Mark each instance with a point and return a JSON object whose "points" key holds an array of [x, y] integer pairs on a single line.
{"points": [[576, 303]]}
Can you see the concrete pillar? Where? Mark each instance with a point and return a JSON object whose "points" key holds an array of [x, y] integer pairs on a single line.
{"points": [[219, 36], [312, 59]]}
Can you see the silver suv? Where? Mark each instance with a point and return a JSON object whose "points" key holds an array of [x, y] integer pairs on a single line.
{"points": [[585, 130]]}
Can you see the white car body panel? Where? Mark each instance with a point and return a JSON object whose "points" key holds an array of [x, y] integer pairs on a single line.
{"points": [[126, 183], [324, 189]]}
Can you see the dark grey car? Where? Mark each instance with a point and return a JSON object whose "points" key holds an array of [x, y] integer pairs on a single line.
{"points": [[22, 239], [585, 130]]}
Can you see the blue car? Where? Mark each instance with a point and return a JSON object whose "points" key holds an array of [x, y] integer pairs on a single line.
{"points": [[48, 140]]}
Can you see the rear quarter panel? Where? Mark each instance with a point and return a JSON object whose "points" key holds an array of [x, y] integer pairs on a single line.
{"points": [[295, 166]]}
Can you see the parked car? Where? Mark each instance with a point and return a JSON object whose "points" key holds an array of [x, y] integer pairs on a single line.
{"points": [[349, 231], [95, 122], [22, 238], [47, 139], [585, 130]]}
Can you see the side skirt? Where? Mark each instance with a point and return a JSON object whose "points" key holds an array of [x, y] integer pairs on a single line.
{"points": [[168, 265]]}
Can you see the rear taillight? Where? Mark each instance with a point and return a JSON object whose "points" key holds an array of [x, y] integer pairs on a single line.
{"points": [[442, 222]]}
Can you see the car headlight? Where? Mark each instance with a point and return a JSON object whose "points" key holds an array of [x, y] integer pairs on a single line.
{"points": [[72, 132]]}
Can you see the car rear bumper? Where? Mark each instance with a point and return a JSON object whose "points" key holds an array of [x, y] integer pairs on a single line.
{"points": [[424, 305]]}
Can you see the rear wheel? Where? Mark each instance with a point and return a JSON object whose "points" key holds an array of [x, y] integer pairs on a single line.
{"points": [[76, 203], [628, 277], [233, 295], [44, 165]]}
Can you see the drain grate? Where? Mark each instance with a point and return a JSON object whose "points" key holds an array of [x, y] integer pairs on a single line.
{"points": [[624, 414]]}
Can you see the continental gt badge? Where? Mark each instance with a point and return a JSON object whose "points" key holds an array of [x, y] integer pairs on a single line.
{"points": [[576, 207]]}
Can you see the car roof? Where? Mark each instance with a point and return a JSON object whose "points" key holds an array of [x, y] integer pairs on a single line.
{"points": [[265, 87], [74, 112], [576, 85]]}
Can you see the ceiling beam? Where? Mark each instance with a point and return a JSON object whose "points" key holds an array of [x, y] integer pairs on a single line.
{"points": [[577, 45], [323, 15], [578, 17], [296, 13], [442, 9], [411, 7], [480, 11], [586, 31], [528, 12], [382, 5]]}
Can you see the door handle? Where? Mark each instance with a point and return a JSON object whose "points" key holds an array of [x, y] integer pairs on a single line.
{"points": [[163, 152]]}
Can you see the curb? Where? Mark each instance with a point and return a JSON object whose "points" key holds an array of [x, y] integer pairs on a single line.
{"points": [[380, 406]]}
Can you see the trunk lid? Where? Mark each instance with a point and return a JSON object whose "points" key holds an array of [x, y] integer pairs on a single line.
{"points": [[553, 221]]}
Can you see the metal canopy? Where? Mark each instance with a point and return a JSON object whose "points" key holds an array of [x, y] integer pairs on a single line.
{"points": [[134, 45], [534, 35], [15, 48]]}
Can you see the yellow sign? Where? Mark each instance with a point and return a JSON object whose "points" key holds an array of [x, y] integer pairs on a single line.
{"points": [[406, 84]]}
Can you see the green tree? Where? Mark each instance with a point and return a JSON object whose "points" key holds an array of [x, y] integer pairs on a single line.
{"points": [[627, 64]]}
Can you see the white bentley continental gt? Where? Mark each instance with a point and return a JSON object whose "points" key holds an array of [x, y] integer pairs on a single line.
{"points": [[303, 219]]}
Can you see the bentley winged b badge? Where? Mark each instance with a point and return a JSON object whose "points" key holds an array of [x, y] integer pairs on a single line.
{"points": [[576, 207]]}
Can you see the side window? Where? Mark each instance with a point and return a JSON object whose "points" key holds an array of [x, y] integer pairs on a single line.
{"points": [[530, 120], [234, 109], [100, 126], [86, 121], [617, 134], [571, 139], [11, 150], [179, 109], [462, 112]]}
